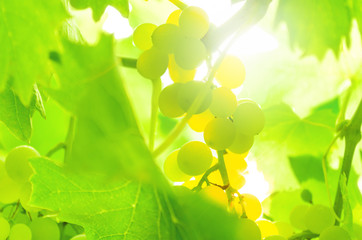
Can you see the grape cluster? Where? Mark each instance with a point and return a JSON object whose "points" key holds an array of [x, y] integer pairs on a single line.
{"points": [[176, 45], [18, 219]]}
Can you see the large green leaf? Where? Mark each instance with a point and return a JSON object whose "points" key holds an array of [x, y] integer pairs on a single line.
{"points": [[98, 6], [316, 26], [27, 35]]}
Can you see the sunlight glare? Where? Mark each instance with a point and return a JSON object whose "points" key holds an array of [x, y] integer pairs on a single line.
{"points": [[117, 24]]}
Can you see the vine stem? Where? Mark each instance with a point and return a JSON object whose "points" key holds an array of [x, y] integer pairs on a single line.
{"points": [[156, 89], [181, 5], [205, 176], [224, 175], [352, 134]]}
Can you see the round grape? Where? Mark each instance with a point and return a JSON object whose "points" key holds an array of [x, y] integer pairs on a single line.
{"points": [[166, 37], [9, 189], [248, 230], [219, 133], [216, 194], [194, 158], [4, 228], [190, 53], [168, 102], [231, 72], [25, 195], [174, 17], [177, 73], [267, 228], [194, 22], [275, 237], [189, 92], [318, 218], [44, 229], [334, 233], [198, 122], [236, 180], [297, 216], [242, 143], [17, 163], [79, 237], [152, 63], [252, 206], [20, 232], [249, 118], [142, 36], [223, 102], [285, 229], [235, 161], [172, 170]]}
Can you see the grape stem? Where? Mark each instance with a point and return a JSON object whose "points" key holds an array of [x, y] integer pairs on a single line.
{"points": [[205, 176], [303, 235], [55, 149], [156, 89], [224, 175], [352, 134]]}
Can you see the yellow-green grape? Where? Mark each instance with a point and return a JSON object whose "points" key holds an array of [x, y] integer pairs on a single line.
{"points": [[194, 158], [142, 36], [44, 229], [174, 17], [235, 161], [267, 228], [166, 37], [25, 195], [318, 218], [199, 121], [215, 178], [297, 216], [249, 118], [231, 72], [248, 230], [242, 143], [17, 163], [219, 133], [172, 170], [152, 63], [236, 180], [4, 228], [193, 182], [216, 194], [9, 189], [334, 233], [275, 237], [79, 237], [189, 92], [20, 232], [223, 102], [252, 206], [285, 229], [168, 102], [194, 22], [190, 53], [177, 73]]}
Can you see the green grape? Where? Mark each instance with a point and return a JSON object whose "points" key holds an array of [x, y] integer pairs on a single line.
{"points": [[4, 228], [190, 91], [9, 189], [45, 229], [194, 22], [152, 63], [219, 133], [249, 118], [168, 103], [231, 72], [20, 232], [235, 161], [236, 180], [166, 37], [252, 206], [177, 73], [172, 169], [248, 230], [297, 216], [194, 158], [285, 229], [318, 218], [223, 102], [199, 121], [17, 163], [174, 17], [142, 36], [216, 194], [190, 53], [79, 237], [334, 233], [25, 195], [267, 228], [275, 237], [242, 143]]}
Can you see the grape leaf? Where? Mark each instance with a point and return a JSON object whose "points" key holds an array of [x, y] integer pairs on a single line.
{"points": [[27, 35], [316, 26], [16, 116], [99, 6], [306, 167]]}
